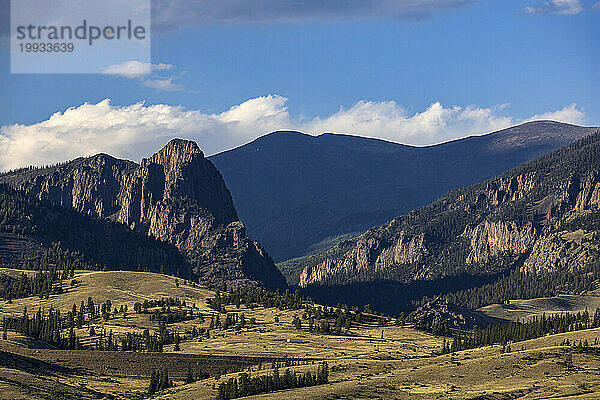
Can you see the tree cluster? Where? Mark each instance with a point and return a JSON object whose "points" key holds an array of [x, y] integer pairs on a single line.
{"points": [[45, 327], [162, 311], [253, 297], [43, 283], [59, 330], [159, 380], [519, 331], [246, 385], [524, 285]]}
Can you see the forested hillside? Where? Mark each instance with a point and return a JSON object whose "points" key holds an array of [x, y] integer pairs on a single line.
{"points": [[531, 231], [35, 233]]}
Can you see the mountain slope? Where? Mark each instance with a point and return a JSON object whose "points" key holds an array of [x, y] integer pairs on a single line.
{"points": [[295, 191], [539, 217], [176, 196], [35, 233]]}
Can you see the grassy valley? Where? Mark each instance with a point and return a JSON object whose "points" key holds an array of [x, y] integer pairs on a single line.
{"points": [[377, 357]]}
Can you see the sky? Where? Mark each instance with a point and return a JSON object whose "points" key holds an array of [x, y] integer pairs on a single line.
{"points": [[226, 72]]}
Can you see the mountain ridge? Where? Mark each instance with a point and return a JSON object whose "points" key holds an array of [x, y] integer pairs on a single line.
{"points": [[336, 184], [526, 218], [176, 196]]}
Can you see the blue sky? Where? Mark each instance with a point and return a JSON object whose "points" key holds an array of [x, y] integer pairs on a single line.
{"points": [[450, 69]]}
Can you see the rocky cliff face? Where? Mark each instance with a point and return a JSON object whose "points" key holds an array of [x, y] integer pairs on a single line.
{"points": [[562, 250], [517, 219], [177, 173], [490, 239], [89, 185], [176, 196]]}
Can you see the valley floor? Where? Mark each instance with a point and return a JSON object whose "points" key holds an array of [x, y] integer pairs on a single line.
{"points": [[371, 362]]}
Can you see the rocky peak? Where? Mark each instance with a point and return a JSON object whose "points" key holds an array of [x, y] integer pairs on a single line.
{"points": [[176, 196], [180, 171], [177, 152]]}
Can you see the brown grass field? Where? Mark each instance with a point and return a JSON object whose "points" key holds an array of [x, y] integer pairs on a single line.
{"points": [[404, 364]]}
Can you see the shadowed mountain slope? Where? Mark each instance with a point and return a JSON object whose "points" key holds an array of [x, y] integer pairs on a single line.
{"points": [[539, 220], [295, 191]]}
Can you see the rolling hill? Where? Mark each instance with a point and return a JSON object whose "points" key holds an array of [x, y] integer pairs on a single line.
{"points": [[370, 359]]}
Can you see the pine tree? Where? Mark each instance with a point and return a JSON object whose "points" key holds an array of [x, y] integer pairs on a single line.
{"points": [[154, 381]]}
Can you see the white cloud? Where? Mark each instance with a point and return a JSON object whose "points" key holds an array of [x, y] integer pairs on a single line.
{"points": [[559, 7], [388, 120], [568, 114], [138, 130], [142, 71], [171, 14], [134, 131], [135, 69], [163, 84]]}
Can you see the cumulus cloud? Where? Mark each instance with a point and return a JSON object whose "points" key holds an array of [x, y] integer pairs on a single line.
{"points": [[559, 7], [171, 14], [388, 120], [138, 130], [568, 114]]}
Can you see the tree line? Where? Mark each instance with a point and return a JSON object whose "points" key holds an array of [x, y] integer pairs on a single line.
{"points": [[253, 297], [519, 331], [42, 283], [45, 327], [50, 327], [519, 284], [316, 318], [246, 385]]}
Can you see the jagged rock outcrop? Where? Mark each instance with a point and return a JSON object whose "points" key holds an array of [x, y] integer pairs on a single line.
{"points": [[177, 173], [563, 250], [371, 258], [489, 240], [588, 192], [520, 218], [88, 185], [176, 196]]}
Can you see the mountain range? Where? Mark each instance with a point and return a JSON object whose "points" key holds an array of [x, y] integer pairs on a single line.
{"points": [[173, 212], [176, 199], [296, 193], [530, 232]]}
